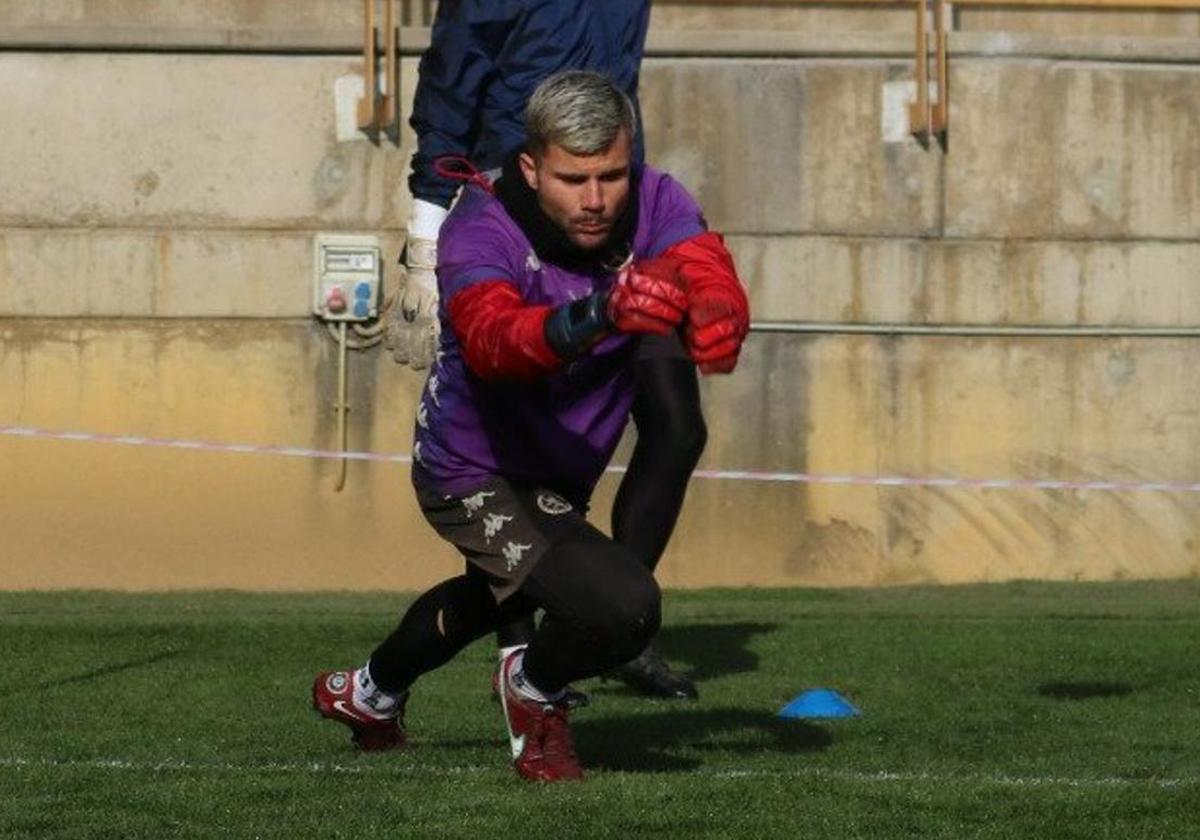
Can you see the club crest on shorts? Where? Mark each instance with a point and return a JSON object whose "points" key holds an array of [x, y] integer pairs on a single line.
{"points": [[552, 503]]}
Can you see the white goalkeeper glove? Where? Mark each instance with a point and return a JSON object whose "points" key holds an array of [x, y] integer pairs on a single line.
{"points": [[412, 334]]}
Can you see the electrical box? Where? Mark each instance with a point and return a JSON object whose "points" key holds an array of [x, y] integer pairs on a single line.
{"points": [[348, 273]]}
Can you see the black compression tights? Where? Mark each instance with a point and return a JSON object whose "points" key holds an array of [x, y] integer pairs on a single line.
{"points": [[670, 439], [602, 609], [438, 625]]}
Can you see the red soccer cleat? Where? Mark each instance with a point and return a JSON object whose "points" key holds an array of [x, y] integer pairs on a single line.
{"points": [[333, 698], [542, 748]]}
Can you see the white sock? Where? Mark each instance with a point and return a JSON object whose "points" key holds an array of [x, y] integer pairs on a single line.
{"points": [[505, 651], [525, 688], [370, 698]]}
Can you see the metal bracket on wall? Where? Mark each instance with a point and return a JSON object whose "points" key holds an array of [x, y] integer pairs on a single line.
{"points": [[929, 118], [379, 107]]}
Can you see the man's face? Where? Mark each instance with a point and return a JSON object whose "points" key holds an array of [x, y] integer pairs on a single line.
{"points": [[583, 195]]}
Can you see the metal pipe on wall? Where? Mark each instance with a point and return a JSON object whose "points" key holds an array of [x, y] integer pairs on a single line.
{"points": [[979, 330]]}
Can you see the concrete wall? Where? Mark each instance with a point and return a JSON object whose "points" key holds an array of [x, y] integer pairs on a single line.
{"points": [[156, 217], [81, 15], [243, 19]]}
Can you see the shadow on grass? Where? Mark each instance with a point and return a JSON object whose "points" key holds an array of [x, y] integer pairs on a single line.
{"points": [[670, 740], [1083, 690], [95, 673], [706, 651]]}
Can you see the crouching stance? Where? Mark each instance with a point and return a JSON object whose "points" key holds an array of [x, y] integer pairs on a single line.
{"points": [[548, 281]]}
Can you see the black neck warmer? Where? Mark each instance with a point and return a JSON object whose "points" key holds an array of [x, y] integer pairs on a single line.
{"points": [[550, 242]]}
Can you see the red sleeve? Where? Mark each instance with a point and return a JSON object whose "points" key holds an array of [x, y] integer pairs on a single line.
{"points": [[501, 336]]}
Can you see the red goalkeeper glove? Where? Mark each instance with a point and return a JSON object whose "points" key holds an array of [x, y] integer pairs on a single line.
{"points": [[648, 297], [718, 312]]}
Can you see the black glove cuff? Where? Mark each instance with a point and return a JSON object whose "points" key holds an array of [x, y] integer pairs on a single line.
{"points": [[574, 327]]}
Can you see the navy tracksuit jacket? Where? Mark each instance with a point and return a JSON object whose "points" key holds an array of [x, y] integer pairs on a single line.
{"points": [[485, 60]]}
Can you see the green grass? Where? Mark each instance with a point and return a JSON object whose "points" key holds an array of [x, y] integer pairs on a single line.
{"points": [[1021, 710]]}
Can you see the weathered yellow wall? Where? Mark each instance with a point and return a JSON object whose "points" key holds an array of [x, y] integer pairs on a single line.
{"points": [[79, 514], [156, 217], [86, 514]]}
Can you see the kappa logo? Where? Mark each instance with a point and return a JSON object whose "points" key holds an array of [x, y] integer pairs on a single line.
{"points": [[553, 504], [432, 386], [422, 415], [512, 554], [473, 504], [417, 453], [492, 524], [532, 262]]}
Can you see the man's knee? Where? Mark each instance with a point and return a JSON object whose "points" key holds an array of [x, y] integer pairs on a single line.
{"points": [[676, 441], [688, 443], [634, 612], [599, 587]]}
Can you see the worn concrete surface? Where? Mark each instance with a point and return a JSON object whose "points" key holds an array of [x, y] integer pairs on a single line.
{"points": [[203, 205], [246, 18], [294, 14], [1048, 150], [185, 141], [1041, 149], [161, 195], [163, 272], [766, 17], [793, 146], [89, 514], [1176, 23], [50, 272], [917, 281]]}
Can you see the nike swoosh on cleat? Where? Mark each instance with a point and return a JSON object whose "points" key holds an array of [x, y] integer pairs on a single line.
{"points": [[346, 709], [517, 743]]}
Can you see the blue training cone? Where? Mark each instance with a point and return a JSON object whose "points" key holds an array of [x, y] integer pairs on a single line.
{"points": [[819, 703]]}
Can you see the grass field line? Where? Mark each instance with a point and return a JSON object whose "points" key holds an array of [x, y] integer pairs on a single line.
{"points": [[883, 777]]}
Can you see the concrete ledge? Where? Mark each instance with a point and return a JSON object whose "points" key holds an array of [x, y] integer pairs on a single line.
{"points": [[661, 43], [863, 44], [916, 281], [168, 273], [1117, 49], [341, 40], [139, 273]]}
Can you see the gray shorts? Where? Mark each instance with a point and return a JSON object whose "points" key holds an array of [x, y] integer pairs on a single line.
{"points": [[503, 529]]}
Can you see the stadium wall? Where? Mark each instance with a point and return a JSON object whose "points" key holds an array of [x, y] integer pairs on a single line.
{"points": [[164, 171]]}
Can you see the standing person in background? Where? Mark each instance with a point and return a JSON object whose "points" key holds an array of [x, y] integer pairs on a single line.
{"points": [[484, 61]]}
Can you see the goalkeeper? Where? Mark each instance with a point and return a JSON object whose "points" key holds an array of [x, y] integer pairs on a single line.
{"points": [[549, 283], [483, 63]]}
